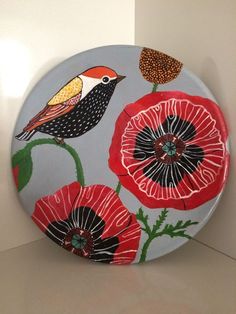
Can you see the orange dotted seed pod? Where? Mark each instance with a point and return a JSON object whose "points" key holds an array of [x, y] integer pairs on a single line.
{"points": [[157, 67]]}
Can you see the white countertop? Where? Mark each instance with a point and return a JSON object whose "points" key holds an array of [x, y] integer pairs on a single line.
{"points": [[40, 278]]}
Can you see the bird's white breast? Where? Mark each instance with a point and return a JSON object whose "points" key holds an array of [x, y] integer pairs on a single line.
{"points": [[88, 84]]}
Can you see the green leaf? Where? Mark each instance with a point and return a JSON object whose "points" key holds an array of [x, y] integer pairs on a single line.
{"points": [[181, 225], [22, 167], [144, 219], [139, 214], [161, 219], [25, 153], [180, 234], [177, 230]]}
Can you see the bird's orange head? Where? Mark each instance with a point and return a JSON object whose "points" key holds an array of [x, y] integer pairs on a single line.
{"points": [[103, 73], [101, 76]]}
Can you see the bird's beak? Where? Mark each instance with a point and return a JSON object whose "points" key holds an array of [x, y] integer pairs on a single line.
{"points": [[120, 78]]}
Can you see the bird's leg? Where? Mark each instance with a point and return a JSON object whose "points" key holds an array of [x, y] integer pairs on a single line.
{"points": [[59, 140]]}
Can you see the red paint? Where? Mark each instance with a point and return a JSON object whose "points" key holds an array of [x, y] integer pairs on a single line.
{"points": [[198, 197]]}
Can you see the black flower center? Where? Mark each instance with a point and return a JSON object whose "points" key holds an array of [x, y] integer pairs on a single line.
{"points": [[168, 148], [82, 234], [169, 144]]}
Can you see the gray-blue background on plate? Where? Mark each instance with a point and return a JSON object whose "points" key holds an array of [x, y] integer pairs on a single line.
{"points": [[54, 167]]}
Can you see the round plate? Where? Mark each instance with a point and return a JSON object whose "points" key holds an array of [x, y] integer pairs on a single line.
{"points": [[120, 154]]}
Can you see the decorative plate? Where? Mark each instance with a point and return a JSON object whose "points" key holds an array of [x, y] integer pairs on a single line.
{"points": [[120, 154]]}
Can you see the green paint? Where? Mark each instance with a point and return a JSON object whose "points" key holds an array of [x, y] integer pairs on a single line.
{"points": [[78, 242], [169, 148], [118, 187], [144, 250], [24, 160], [177, 230], [154, 88]]}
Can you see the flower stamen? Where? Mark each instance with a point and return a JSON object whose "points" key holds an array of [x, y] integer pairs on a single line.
{"points": [[168, 148]]}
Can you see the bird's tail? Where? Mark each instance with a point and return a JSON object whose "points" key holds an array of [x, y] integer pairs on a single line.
{"points": [[25, 135]]}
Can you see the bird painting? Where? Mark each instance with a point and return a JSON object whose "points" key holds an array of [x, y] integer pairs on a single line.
{"points": [[77, 107]]}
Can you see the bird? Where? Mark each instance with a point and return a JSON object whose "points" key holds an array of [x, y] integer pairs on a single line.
{"points": [[77, 107]]}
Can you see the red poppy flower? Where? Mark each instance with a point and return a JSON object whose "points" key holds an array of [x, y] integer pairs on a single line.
{"points": [[169, 150], [91, 222]]}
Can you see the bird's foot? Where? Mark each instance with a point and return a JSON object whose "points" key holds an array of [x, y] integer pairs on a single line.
{"points": [[59, 140]]}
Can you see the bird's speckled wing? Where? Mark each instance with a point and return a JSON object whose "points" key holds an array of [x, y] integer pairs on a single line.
{"points": [[63, 102], [71, 89]]}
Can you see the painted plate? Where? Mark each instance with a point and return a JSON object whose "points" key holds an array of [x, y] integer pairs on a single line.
{"points": [[120, 154]]}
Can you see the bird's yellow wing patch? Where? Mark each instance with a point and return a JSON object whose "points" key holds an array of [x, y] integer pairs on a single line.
{"points": [[70, 90]]}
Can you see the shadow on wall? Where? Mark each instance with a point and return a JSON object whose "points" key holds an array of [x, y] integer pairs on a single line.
{"points": [[43, 70], [210, 74]]}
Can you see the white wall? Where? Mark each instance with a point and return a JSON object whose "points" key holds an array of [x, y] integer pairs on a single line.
{"points": [[202, 35], [35, 36]]}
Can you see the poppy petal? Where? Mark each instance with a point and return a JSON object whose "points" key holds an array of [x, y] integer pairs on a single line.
{"points": [[104, 250], [56, 207]]}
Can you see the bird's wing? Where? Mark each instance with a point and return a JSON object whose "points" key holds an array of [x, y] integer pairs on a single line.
{"points": [[63, 102], [71, 89]]}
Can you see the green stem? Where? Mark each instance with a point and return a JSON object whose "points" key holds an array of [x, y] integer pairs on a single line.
{"points": [[118, 188], [144, 250], [177, 230], [154, 89], [68, 148], [151, 237]]}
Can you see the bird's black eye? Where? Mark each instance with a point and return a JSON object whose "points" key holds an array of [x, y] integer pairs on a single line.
{"points": [[106, 79]]}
